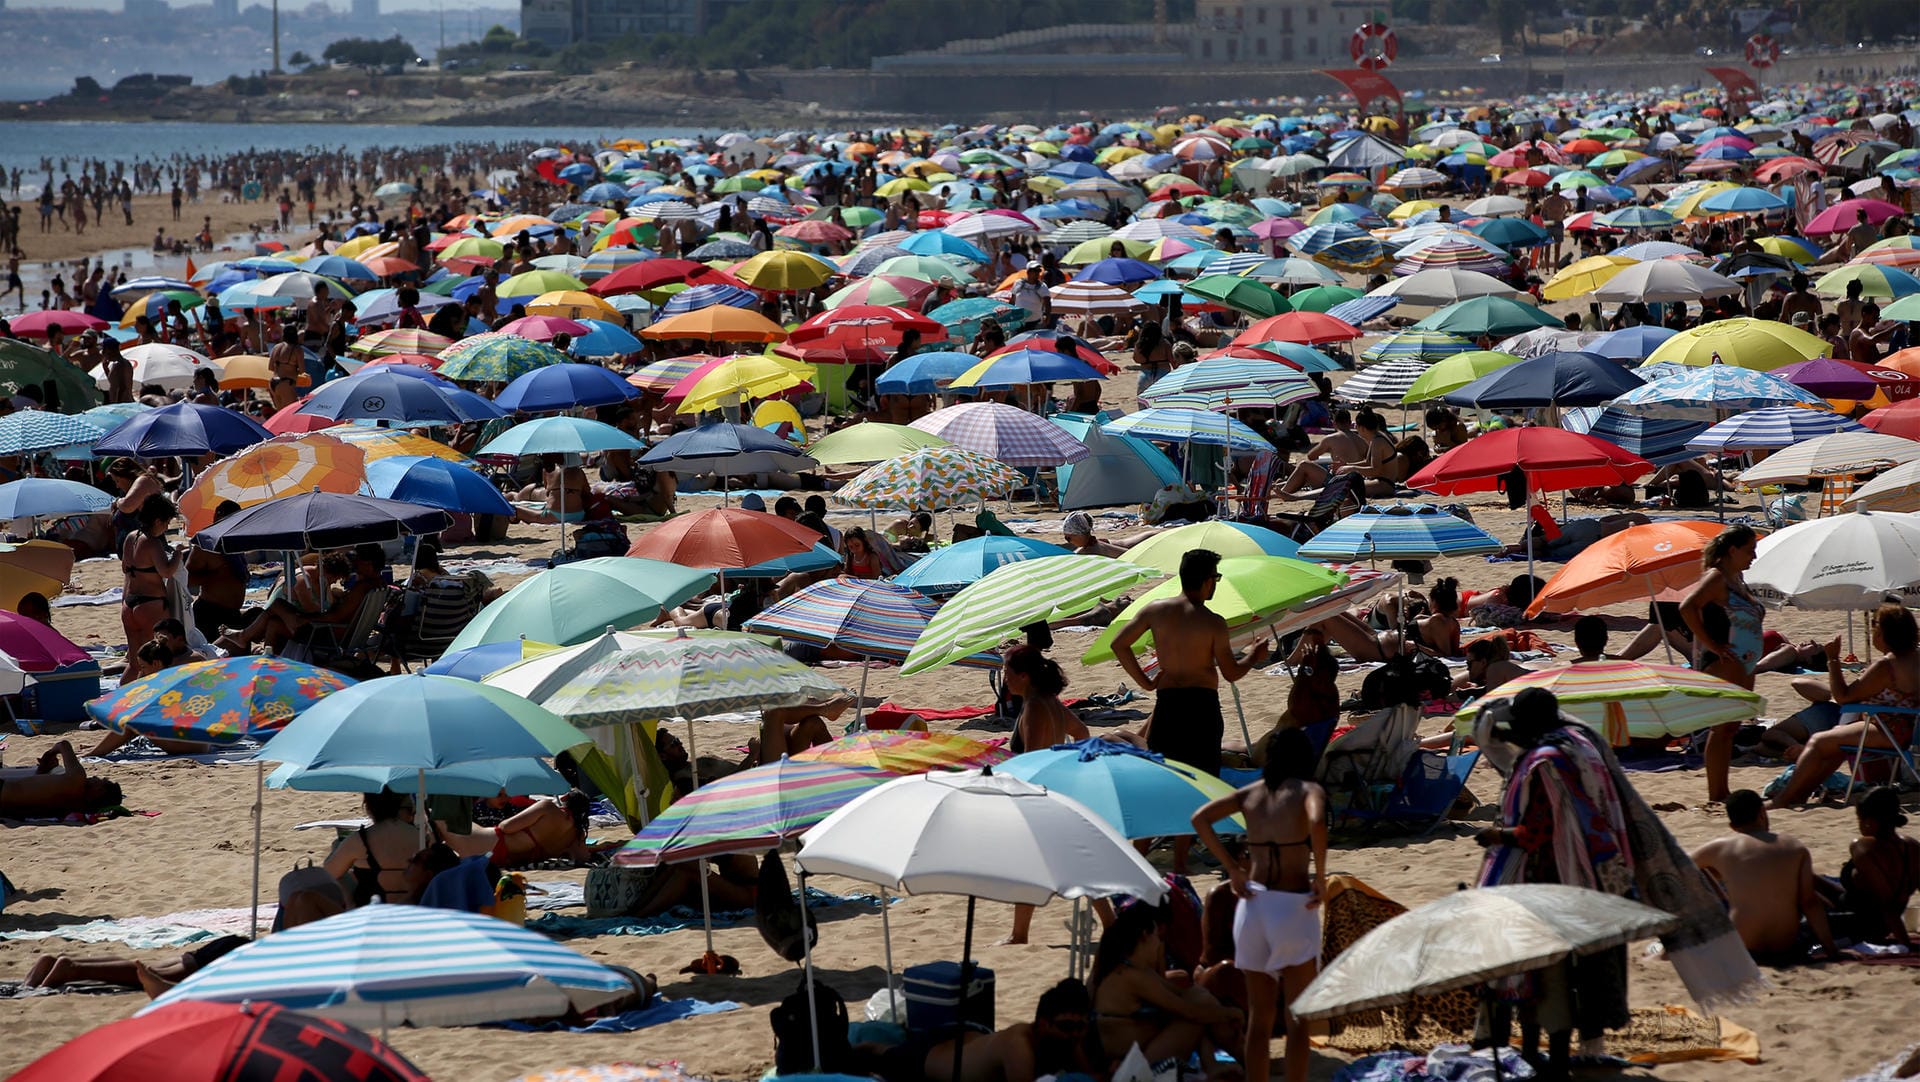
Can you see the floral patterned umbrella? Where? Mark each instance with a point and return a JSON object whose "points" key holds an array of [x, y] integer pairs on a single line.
{"points": [[218, 702], [496, 357]]}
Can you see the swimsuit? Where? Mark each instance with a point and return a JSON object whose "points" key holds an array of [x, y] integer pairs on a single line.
{"points": [[1274, 930], [1189, 729], [1744, 633], [134, 601]]}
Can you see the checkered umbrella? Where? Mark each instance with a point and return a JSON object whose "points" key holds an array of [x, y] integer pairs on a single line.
{"points": [[930, 479], [1013, 436]]}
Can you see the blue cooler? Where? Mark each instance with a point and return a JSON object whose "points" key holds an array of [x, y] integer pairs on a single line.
{"points": [[934, 999], [61, 695]]}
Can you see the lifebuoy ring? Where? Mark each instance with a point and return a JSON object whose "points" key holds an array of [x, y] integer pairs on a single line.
{"points": [[1762, 50], [1373, 46]]}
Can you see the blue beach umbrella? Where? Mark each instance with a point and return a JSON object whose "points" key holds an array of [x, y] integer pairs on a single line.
{"points": [[559, 436], [1403, 531], [30, 431], [1772, 428], [605, 340], [1700, 391], [375, 394], [1139, 793], [184, 429], [1561, 378], [924, 373], [1177, 424], [950, 568], [1021, 367], [44, 497], [564, 387], [435, 482], [726, 449], [578, 601], [476, 662], [1630, 343], [1660, 440]]}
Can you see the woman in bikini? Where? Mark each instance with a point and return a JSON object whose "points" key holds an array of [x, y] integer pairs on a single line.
{"points": [[548, 828], [1892, 680], [1725, 619], [372, 861], [1276, 930], [147, 564], [1371, 437], [1044, 721], [134, 485], [1135, 1003], [1882, 870]]}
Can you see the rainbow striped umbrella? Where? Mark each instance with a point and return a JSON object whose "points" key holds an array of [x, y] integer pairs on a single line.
{"points": [[1625, 700], [873, 619], [903, 751], [749, 812], [661, 376]]}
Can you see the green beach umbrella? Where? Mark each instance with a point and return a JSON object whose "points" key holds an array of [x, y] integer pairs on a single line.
{"points": [[1241, 294], [1496, 316], [23, 365], [1321, 298], [1452, 373], [1010, 597], [496, 357], [871, 442], [574, 602], [1250, 587]]}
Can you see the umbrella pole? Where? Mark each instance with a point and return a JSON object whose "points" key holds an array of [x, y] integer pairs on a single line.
{"points": [[1659, 620], [1238, 709], [966, 974], [706, 907], [860, 705], [420, 809], [806, 948], [886, 933], [259, 790]]}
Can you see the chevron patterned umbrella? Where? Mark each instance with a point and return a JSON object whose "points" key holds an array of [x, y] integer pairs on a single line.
{"points": [[689, 678], [930, 479], [1013, 596], [29, 431]]}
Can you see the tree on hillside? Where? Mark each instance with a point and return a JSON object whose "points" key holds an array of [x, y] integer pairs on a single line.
{"points": [[498, 39], [364, 52], [300, 59]]}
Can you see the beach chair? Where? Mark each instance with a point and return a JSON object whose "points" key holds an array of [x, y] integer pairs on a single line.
{"points": [[332, 645], [429, 619], [1252, 498], [1905, 757], [1428, 788], [1342, 490], [1362, 769]]}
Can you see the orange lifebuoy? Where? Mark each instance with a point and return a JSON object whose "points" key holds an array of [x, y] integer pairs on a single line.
{"points": [[1373, 46]]}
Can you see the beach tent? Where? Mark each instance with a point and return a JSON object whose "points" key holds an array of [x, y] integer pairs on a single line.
{"points": [[1121, 469]]}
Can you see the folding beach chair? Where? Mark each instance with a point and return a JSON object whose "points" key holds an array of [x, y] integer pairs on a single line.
{"points": [[1428, 788], [332, 645], [1340, 491], [1252, 497], [1904, 756], [1363, 768]]}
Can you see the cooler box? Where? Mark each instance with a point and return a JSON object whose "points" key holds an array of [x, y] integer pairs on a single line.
{"points": [[61, 695], [933, 996]]}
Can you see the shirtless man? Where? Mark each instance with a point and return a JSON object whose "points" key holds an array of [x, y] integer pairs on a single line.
{"points": [[1768, 881], [284, 365], [1343, 445], [1054, 1043], [1276, 931], [550, 827], [58, 785], [1195, 652], [1801, 299]]}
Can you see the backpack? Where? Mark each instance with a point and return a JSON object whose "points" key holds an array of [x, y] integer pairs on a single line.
{"points": [[793, 1031], [1407, 680], [597, 537], [777, 914]]}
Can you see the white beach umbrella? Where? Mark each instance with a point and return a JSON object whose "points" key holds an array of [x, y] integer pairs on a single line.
{"points": [[1842, 562], [1664, 280], [171, 367], [1438, 287], [1840, 454]]}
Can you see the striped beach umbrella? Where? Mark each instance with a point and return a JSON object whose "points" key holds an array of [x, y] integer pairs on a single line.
{"points": [[1231, 383], [1385, 384], [1250, 588], [661, 376], [1090, 298], [408, 340], [392, 965], [687, 677], [904, 751], [1012, 435], [1402, 531], [749, 812], [1184, 424], [495, 357], [1659, 440], [1411, 345], [991, 610], [379, 443], [878, 620], [1773, 428], [930, 479], [1632, 700]]}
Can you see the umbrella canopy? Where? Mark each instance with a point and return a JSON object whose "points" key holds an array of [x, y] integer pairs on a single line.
{"points": [[870, 442], [195, 1041], [748, 812], [930, 479], [1162, 551], [904, 751], [384, 394], [219, 701], [320, 520], [1139, 793], [576, 601], [1759, 344], [1843, 562], [1471, 937], [1183, 424], [1388, 383], [687, 677], [31, 431], [559, 436], [872, 619], [1250, 588], [418, 722], [495, 357], [724, 538], [950, 568], [1632, 700], [40, 497], [1897, 489], [486, 778], [1638, 562], [726, 450], [1231, 383], [983, 614], [1496, 316], [435, 482], [391, 965], [278, 467], [184, 429], [922, 373], [720, 323], [24, 365], [1560, 378], [1021, 367], [1664, 280], [1440, 286], [1452, 373], [1837, 455], [1550, 458], [1003, 432], [979, 834], [564, 387], [1707, 391], [1772, 428], [172, 367], [1401, 531]]}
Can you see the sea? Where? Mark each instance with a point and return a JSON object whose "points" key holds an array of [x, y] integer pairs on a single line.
{"points": [[23, 144]]}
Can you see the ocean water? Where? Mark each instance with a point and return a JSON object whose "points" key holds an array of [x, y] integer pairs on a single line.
{"points": [[24, 143]]}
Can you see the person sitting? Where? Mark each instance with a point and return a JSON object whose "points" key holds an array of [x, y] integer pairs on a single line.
{"points": [[221, 578], [680, 766], [563, 494], [35, 607], [1384, 478], [1054, 1044], [374, 859], [1134, 1003], [58, 786], [1892, 680], [785, 730], [549, 828], [1341, 446], [1768, 882], [1882, 870], [913, 533], [1589, 640], [1489, 664], [283, 618]]}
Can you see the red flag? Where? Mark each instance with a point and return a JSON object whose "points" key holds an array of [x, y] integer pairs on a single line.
{"points": [[190, 268], [545, 168], [1365, 85], [1738, 83]]}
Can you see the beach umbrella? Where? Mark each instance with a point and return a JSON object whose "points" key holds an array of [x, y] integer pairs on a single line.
{"points": [[1088, 298], [1629, 343], [223, 1042], [1548, 458], [872, 442], [1560, 378], [1844, 215], [723, 538], [726, 450], [688, 677], [1427, 347], [1471, 937], [384, 394], [560, 387], [1024, 367], [1241, 294], [1013, 596], [930, 479], [1437, 287], [34, 647], [559, 436], [1759, 344], [1139, 793], [36, 567], [32, 431], [1012, 435], [218, 702], [184, 429], [1496, 316], [1663, 280], [37, 324], [576, 601], [1162, 552], [1876, 280], [904, 751], [435, 482], [486, 778], [720, 323], [1638, 562], [1305, 328], [1842, 562], [278, 467], [1897, 489], [47, 497], [390, 965], [576, 304], [379, 443], [320, 520], [1326, 298], [1836, 455], [1231, 383], [1833, 379], [418, 722], [23, 364], [1185, 425], [1386, 384], [543, 328], [1772, 428], [749, 812], [495, 357], [950, 568], [1706, 392], [1251, 589], [1584, 276], [606, 339], [1400, 531], [1452, 373], [401, 340], [1632, 700]]}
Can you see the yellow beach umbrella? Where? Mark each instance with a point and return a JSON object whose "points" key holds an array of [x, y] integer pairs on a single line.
{"points": [[1584, 276], [784, 271], [379, 443], [33, 567], [351, 249], [572, 304], [900, 186], [744, 376], [251, 370], [1412, 207], [304, 462]]}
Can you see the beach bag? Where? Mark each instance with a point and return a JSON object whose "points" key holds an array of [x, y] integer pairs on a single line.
{"points": [[1405, 680], [793, 1031], [1788, 509], [616, 891], [778, 914], [597, 537]]}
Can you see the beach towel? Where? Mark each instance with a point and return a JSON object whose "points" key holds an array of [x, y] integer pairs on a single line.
{"points": [[556, 895], [19, 990], [679, 918], [180, 929], [141, 750], [660, 1011], [105, 597]]}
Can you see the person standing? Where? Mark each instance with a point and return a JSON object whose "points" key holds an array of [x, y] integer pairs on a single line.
{"points": [[1725, 619], [284, 365], [1276, 925]]}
